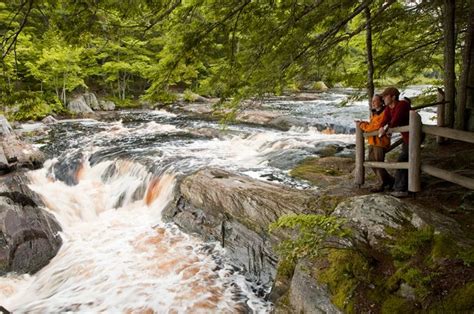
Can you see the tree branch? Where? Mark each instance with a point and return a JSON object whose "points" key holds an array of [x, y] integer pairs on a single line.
{"points": [[17, 33]]}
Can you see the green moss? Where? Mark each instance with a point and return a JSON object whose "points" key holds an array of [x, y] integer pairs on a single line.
{"points": [[410, 243], [443, 247], [309, 167], [328, 203], [126, 103], [467, 256], [394, 304], [282, 282], [320, 86], [460, 300], [286, 268], [345, 272], [189, 96]]}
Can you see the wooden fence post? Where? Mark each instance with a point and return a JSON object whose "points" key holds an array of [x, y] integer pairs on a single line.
{"points": [[440, 113], [360, 156], [414, 152]]}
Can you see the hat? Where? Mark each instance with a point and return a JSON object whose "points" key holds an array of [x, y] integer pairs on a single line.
{"points": [[392, 91]]}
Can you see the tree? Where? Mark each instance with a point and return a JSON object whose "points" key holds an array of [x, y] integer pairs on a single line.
{"points": [[449, 59], [58, 66], [466, 83]]}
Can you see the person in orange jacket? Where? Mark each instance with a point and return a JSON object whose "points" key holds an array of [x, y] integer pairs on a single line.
{"points": [[378, 145]]}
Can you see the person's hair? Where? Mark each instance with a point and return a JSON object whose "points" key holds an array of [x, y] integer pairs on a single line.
{"points": [[380, 98], [392, 91]]}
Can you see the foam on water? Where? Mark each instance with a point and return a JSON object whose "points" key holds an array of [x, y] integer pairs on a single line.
{"points": [[123, 259]]}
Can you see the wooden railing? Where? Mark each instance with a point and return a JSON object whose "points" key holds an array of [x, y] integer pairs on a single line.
{"points": [[414, 164]]}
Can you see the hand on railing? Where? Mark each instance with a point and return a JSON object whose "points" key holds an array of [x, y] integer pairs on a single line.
{"points": [[384, 131]]}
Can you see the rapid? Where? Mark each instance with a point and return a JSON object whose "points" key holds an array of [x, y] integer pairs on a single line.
{"points": [[107, 183]]}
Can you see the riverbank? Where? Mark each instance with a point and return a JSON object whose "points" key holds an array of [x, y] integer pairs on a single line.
{"points": [[220, 199], [424, 267]]}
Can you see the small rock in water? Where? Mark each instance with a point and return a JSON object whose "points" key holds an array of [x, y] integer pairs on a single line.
{"points": [[49, 120]]}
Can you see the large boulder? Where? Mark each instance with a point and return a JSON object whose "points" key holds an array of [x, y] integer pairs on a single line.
{"points": [[91, 101], [259, 117], [79, 105], [107, 105], [21, 154], [5, 127], [15, 153], [371, 215], [29, 236], [236, 211]]}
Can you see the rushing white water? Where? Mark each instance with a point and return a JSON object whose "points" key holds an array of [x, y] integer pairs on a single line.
{"points": [[107, 185], [122, 259]]}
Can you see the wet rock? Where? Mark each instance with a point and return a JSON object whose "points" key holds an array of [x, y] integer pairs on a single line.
{"points": [[28, 235], [236, 211], [20, 154], [287, 159], [285, 123], [15, 153], [307, 295], [4, 310], [49, 120], [327, 149], [259, 117]]}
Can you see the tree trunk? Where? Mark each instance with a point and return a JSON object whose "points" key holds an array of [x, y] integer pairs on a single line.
{"points": [[449, 59], [465, 92], [370, 59], [64, 90]]}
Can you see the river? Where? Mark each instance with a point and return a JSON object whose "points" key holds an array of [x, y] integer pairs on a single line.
{"points": [[107, 182]]}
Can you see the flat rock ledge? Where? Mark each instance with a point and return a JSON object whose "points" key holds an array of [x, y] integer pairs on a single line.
{"points": [[29, 236], [236, 211]]}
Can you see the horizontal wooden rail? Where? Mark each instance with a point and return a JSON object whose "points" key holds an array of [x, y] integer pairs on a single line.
{"points": [[430, 105], [449, 176], [391, 130], [449, 133], [386, 165]]}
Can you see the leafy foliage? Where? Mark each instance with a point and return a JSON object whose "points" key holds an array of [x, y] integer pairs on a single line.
{"points": [[314, 234], [229, 49]]}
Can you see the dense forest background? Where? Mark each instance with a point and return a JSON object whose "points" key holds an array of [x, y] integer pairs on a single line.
{"points": [[147, 50]]}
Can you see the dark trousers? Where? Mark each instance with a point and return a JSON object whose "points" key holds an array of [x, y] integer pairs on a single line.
{"points": [[378, 154], [401, 175]]}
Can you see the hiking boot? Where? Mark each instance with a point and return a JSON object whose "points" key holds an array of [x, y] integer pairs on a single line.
{"points": [[389, 186], [377, 189], [400, 194]]}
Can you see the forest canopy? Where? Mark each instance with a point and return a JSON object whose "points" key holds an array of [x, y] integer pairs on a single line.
{"points": [[149, 49]]}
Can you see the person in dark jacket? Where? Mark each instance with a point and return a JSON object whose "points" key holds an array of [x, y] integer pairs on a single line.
{"points": [[398, 114]]}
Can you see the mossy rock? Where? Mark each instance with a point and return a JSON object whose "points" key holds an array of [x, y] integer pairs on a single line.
{"points": [[394, 304], [346, 270], [443, 247], [460, 300], [323, 171], [320, 86], [281, 285]]}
